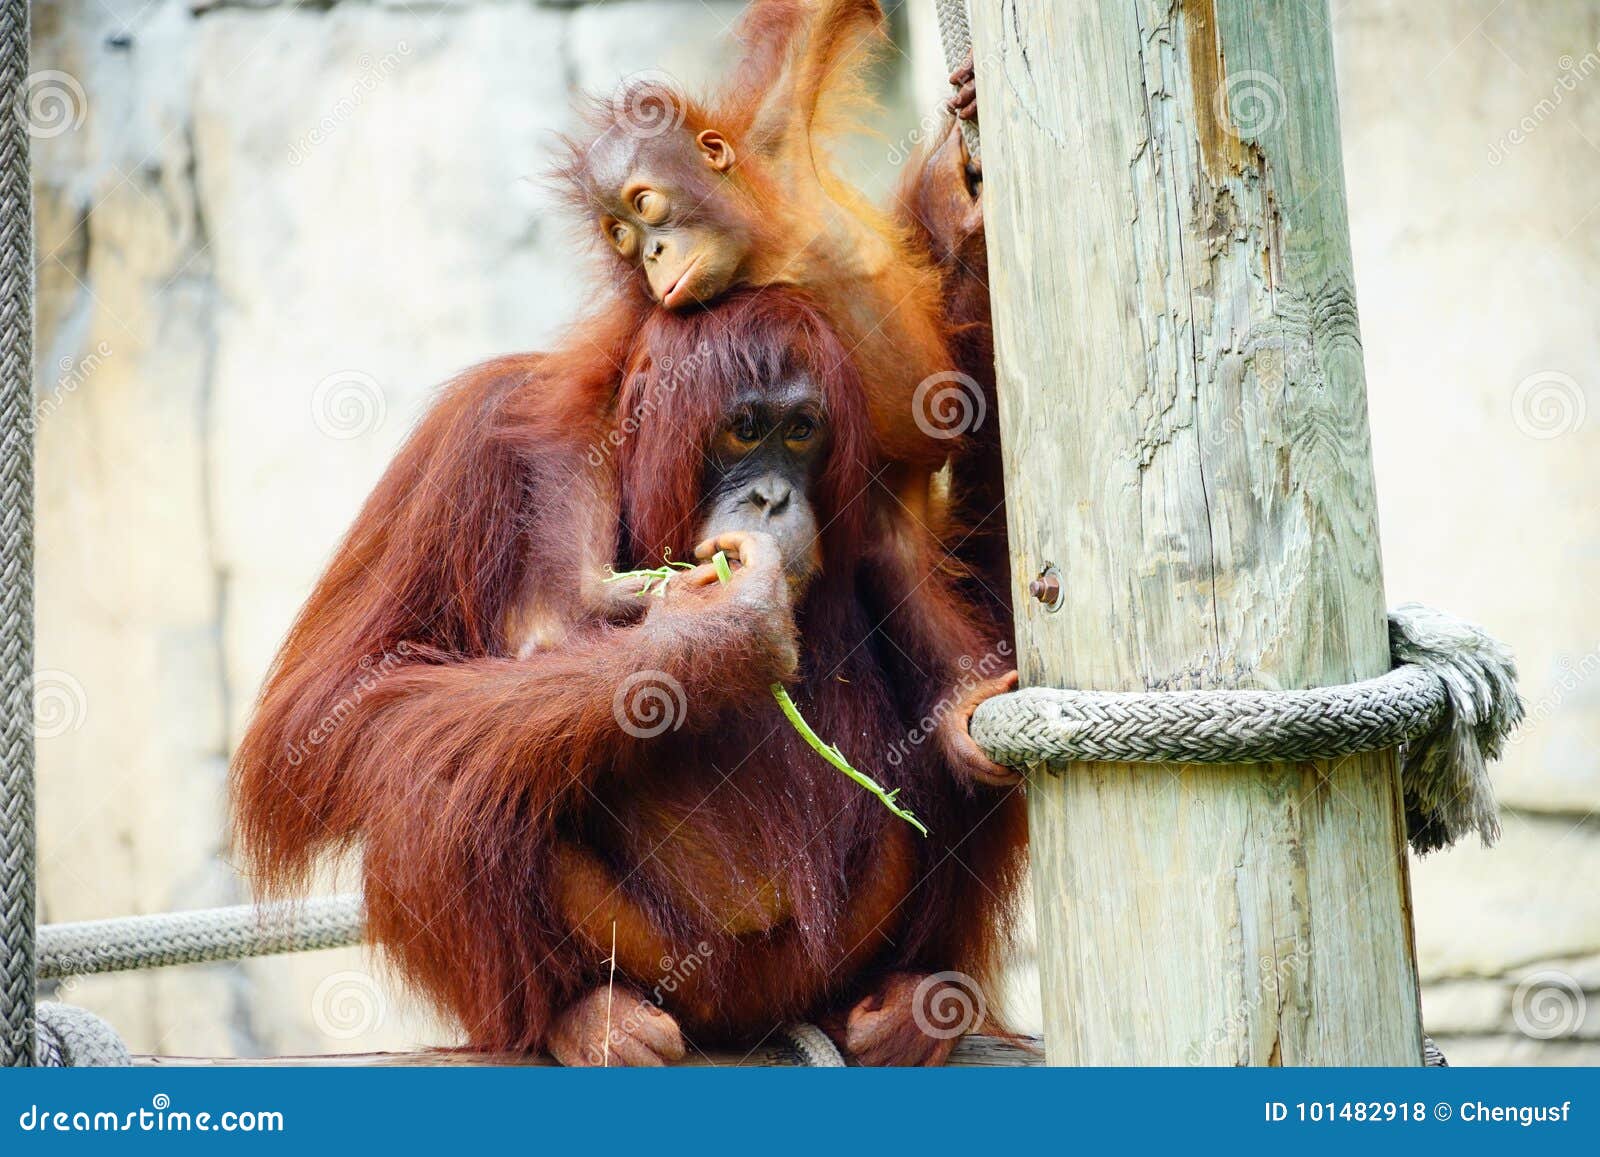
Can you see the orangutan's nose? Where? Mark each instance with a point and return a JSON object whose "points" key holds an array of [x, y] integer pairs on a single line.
{"points": [[770, 496]]}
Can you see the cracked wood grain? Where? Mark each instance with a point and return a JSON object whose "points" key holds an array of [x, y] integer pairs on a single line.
{"points": [[1184, 415]]}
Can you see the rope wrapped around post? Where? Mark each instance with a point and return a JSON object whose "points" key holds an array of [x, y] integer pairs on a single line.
{"points": [[1451, 701]]}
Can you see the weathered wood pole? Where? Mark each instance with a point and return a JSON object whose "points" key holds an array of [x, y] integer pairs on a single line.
{"points": [[1184, 415]]}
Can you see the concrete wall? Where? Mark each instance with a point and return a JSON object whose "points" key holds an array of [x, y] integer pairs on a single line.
{"points": [[267, 232], [1472, 148]]}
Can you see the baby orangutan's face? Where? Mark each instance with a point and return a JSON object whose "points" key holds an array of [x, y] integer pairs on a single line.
{"points": [[666, 207]]}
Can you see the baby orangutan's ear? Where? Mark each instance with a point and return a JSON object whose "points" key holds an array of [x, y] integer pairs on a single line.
{"points": [[716, 150]]}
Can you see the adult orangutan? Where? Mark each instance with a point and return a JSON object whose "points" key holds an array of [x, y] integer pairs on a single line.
{"points": [[519, 812]]}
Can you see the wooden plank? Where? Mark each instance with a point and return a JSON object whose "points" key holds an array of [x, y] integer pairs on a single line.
{"points": [[971, 1052], [1184, 416]]}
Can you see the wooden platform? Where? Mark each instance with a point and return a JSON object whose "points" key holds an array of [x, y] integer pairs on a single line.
{"points": [[973, 1052]]}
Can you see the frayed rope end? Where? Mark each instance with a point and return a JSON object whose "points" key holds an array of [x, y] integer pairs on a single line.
{"points": [[1445, 772]]}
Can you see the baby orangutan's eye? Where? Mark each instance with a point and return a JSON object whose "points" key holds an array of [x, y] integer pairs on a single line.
{"points": [[651, 206], [800, 430], [622, 238]]}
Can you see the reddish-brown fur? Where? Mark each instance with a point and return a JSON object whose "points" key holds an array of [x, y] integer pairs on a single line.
{"points": [[506, 820], [879, 276], [945, 220]]}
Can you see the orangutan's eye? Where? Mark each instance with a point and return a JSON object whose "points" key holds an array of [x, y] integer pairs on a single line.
{"points": [[622, 238], [650, 205]]}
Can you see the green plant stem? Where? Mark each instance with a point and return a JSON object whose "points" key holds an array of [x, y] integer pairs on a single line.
{"points": [[837, 759], [656, 578]]}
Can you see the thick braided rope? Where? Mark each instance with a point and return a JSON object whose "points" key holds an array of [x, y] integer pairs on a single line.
{"points": [[16, 548], [1451, 700], [956, 36], [198, 936], [72, 1037], [812, 1048], [1210, 726]]}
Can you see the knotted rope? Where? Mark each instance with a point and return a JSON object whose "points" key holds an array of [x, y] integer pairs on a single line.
{"points": [[1451, 700], [16, 547]]}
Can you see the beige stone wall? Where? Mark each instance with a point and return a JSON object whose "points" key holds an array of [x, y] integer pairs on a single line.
{"points": [[1477, 260], [267, 232]]}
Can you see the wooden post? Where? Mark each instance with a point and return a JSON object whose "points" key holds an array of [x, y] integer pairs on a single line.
{"points": [[1185, 426]]}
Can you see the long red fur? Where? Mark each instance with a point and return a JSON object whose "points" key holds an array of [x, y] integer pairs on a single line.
{"points": [[396, 718]]}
